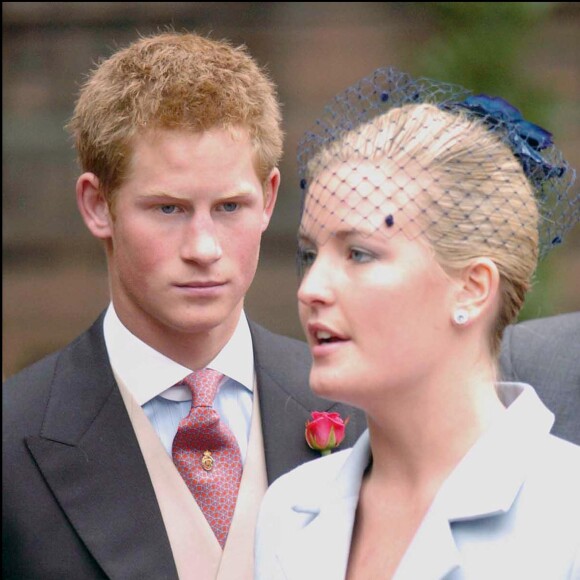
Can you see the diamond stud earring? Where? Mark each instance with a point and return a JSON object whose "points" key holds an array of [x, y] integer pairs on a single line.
{"points": [[460, 316]]}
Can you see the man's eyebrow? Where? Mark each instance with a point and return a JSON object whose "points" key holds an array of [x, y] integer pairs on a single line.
{"points": [[234, 193], [159, 193]]}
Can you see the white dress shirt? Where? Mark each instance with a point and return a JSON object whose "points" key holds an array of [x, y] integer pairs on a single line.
{"points": [[150, 377]]}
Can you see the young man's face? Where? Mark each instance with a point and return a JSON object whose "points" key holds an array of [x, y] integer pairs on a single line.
{"points": [[185, 239]]}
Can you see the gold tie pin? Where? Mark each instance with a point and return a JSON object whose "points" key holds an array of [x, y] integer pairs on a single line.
{"points": [[207, 461]]}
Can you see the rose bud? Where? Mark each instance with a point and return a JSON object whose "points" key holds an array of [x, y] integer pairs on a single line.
{"points": [[325, 431]]}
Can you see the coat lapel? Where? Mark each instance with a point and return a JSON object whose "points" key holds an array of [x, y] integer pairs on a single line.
{"points": [[286, 401], [90, 458], [501, 458], [321, 548], [433, 553]]}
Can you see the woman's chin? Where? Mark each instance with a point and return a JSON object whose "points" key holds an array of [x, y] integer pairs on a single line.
{"points": [[319, 385], [326, 387]]}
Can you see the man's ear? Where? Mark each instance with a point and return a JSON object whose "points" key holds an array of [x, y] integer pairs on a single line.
{"points": [[479, 288], [93, 206], [270, 195]]}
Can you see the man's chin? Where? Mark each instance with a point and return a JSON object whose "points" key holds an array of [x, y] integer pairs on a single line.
{"points": [[204, 321], [198, 326]]}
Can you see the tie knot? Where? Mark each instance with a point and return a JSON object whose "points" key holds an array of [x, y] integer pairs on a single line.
{"points": [[203, 385]]}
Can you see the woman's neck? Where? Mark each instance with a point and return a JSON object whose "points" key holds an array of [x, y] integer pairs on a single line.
{"points": [[419, 434]]}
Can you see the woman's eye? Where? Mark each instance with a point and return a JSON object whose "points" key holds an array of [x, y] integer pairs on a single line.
{"points": [[306, 257], [359, 256]]}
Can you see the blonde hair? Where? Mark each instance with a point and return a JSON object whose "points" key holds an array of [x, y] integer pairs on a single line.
{"points": [[480, 204], [172, 81]]}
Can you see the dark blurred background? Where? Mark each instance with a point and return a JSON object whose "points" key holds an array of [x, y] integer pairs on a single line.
{"points": [[54, 276]]}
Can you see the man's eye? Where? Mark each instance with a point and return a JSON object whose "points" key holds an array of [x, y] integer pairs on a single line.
{"points": [[168, 209], [230, 206]]}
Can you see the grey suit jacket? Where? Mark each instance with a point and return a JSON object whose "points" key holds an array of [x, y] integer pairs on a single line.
{"points": [[546, 354], [77, 498]]}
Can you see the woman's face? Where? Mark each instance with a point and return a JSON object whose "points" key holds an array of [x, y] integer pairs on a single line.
{"points": [[374, 303]]}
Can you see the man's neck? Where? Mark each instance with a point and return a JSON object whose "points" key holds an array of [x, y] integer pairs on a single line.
{"points": [[192, 349]]}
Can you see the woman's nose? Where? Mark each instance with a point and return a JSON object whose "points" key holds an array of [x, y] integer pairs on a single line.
{"points": [[317, 283]]}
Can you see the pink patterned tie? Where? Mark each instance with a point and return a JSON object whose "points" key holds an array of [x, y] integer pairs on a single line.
{"points": [[207, 455]]}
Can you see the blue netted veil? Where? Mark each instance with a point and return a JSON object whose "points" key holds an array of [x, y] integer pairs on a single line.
{"points": [[346, 120]]}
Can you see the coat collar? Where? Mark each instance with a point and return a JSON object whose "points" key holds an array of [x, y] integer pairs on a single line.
{"points": [[486, 482], [89, 456], [488, 478]]}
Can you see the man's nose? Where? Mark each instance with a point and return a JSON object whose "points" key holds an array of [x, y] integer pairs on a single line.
{"points": [[201, 241]]}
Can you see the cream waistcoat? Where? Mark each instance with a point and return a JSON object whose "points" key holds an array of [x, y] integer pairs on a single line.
{"points": [[196, 551]]}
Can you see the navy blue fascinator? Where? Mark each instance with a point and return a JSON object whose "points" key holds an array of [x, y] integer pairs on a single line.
{"points": [[345, 123]]}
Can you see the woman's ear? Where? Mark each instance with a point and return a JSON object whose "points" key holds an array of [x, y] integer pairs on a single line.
{"points": [[478, 291], [93, 206]]}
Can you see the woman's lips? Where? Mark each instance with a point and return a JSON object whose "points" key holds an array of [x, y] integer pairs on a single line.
{"points": [[324, 340]]}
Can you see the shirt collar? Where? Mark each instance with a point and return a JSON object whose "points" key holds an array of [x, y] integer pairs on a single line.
{"points": [[147, 373]]}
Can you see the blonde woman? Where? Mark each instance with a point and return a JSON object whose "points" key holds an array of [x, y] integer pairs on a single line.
{"points": [[424, 213]]}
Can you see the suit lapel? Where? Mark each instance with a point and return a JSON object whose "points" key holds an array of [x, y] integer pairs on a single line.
{"points": [[286, 401], [282, 369], [90, 458]]}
